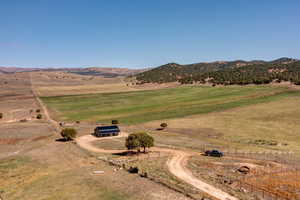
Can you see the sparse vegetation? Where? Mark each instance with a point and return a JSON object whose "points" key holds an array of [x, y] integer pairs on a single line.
{"points": [[68, 134]]}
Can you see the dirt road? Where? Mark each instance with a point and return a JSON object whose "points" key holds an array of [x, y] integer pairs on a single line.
{"points": [[43, 107], [176, 165]]}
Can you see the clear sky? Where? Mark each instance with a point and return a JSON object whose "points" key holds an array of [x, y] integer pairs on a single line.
{"points": [[143, 33]]}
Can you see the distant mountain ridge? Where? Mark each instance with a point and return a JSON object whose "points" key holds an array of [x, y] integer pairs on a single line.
{"points": [[97, 71], [225, 72]]}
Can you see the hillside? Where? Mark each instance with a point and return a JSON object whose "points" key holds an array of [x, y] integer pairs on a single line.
{"points": [[223, 72]]}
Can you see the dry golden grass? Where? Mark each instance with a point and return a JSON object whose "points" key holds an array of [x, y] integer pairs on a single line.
{"points": [[275, 121], [83, 89]]}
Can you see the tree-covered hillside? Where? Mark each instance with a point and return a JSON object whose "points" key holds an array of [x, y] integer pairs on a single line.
{"points": [[227, 73]]}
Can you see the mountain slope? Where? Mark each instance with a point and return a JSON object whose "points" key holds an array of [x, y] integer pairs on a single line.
{"points": [[234, 72]]}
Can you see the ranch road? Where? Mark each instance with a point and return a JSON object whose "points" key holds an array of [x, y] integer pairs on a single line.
{"points": [[176, 165]]}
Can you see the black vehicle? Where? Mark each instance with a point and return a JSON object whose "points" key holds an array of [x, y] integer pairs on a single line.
{"points": [[214, 153]]}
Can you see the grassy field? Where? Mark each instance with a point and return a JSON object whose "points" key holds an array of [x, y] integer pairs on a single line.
{"points": [[142, 106], [267, 126]]}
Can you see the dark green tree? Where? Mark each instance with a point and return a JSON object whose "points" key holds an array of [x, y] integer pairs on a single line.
{"points": [[132, 142], [39, 116], [114, 121], [163, 125], [145, 140]]}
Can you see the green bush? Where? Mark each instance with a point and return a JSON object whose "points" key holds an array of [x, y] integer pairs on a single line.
{"points": [[164, 125], [68, 133], [39, 116]]}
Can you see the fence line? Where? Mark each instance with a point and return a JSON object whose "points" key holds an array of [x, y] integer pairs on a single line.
{"points": [[258, 191]]}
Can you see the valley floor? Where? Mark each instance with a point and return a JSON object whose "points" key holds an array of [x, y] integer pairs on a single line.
{"points": [[256, 126]]}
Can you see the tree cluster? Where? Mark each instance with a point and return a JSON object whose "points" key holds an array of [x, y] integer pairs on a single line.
{"points": [[226, 73], [139, 140]]}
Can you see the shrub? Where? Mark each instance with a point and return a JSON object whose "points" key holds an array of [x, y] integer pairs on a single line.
{"points": [[77, 122], [39, 116], [68, 134], [1, 115], [164, 125], [114, 121], [38, 110]]}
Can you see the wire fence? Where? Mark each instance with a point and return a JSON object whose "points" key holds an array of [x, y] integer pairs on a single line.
{"points": [[283, 183]]}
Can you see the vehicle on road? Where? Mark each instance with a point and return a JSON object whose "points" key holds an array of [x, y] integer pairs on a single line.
{"points": [[213, 153]]}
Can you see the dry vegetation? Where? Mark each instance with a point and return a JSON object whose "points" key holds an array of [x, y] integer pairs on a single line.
{"points": [[63, 83], [35, 166], [267, 126]]}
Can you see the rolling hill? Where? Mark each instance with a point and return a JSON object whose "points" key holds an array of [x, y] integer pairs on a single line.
{"points": [[224, 72], [95, 71]]}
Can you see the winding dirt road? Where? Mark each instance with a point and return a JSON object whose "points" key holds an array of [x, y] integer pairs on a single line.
{"points": [[176, 165]]}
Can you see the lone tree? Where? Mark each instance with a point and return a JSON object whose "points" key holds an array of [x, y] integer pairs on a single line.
{"points": [[68, 134], [146, 140], [163, 125], [139, 140]]}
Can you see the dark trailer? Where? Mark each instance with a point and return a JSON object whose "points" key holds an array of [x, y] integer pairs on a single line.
{"points": [[105, 131]]}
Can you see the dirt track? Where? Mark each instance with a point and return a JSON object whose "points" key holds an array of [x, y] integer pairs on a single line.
{"points": [[176, 165], [41, 104]]}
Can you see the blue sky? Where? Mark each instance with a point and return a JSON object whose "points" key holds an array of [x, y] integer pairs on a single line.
{"points": [[143, 33]]}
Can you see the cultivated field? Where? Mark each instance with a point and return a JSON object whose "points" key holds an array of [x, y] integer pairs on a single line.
{"points": [[33, 165], [250, 124], [142, 106]]}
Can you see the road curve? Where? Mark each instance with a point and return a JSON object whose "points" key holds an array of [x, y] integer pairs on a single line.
{"points": [[176, 165]]}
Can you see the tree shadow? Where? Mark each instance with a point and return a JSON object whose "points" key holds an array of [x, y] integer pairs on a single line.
{"points": [[61, 140], [126, 153]]}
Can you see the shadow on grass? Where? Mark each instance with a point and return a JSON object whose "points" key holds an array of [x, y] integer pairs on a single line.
{"points": [[129, 153], [62, 140]]}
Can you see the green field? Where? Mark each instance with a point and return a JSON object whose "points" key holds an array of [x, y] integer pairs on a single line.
{"points": [[143, 106]]}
